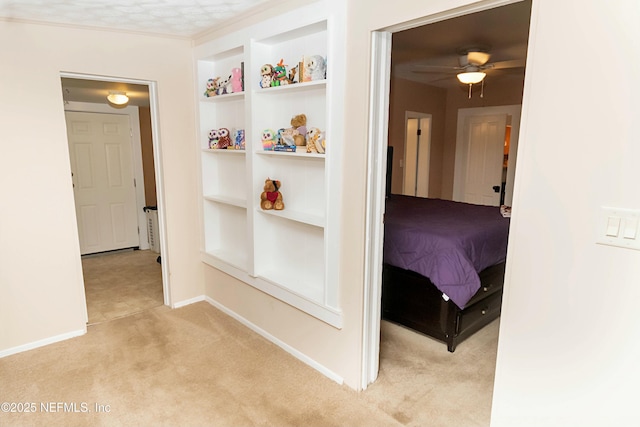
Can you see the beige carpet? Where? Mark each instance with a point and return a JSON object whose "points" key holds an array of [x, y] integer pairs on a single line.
{"points": [[195, 366], [121, 283]]}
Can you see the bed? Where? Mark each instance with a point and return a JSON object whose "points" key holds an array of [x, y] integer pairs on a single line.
{"points": [[443, 266]]}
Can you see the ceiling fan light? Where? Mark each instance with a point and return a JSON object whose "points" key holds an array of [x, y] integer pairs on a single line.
{"points": [[470, 78], [117, 98]]}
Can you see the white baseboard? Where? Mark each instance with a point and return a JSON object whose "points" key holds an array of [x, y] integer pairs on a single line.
{"points": [[286, 347], [41, 343], [188, 301]]}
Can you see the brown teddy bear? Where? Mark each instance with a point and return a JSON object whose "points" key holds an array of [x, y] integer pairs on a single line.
{"points": [[271, 198], [299, 123]]}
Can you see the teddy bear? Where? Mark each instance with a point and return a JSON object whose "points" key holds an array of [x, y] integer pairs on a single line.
{"points": [[268, 139], [271, 198], [315, 141], [212, 87], [315, 68], [225, 139], [266, 75], [299, 123]]}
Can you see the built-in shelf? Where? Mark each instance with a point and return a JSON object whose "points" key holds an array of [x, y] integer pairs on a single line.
{"points": [[287, 254], [301, 217], [223, 98], [302, 152], [233, 201]]}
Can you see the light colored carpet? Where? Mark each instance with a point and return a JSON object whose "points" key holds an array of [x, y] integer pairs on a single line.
{"points": [[121, 283], [195, 366]]}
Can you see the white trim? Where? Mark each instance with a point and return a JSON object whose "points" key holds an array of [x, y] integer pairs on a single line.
{"points": [[188, 301], [157, 162], [157, 157], [43, 342], [286, 347], [376, 185]]}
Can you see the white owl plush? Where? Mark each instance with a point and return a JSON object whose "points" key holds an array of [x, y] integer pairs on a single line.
{"points": [[315, 68]]}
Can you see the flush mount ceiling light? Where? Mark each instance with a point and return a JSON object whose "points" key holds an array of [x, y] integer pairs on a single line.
{"points": [[117, 98]]}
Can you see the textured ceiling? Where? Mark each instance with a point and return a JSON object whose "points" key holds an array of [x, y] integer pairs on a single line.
{"points": [[183, 18], [503, 30]]}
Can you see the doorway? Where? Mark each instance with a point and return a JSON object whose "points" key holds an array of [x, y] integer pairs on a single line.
{"points": [[85, 97], [501, 158], [417, 154], [446, 27]]}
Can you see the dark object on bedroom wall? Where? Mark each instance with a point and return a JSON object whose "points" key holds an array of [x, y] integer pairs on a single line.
{"points": [[389, 169]]}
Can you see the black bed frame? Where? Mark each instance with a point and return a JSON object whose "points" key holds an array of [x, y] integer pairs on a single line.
{"points": [[412, 300]]}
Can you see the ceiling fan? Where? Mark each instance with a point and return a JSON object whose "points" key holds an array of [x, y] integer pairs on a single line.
{"points": [[472, 64]]}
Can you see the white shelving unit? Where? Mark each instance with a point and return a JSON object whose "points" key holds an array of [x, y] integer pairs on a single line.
{"points": [[289, 253]]}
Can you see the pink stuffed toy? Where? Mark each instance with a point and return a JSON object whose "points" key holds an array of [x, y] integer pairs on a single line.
{"points": [[236, 80]]}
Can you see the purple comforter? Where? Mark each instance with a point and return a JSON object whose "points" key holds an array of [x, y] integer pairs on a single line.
{"points": [[448, 242]]}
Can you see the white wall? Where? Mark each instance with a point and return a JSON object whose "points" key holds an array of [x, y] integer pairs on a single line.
{"points": [[569, 340], [41, 292]]}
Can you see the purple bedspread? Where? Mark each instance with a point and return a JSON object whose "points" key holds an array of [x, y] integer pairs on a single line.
{"points": [[448, 242]]}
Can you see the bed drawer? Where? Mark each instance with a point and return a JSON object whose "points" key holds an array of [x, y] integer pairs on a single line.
{"points": [[480, 313], [491, 282]]}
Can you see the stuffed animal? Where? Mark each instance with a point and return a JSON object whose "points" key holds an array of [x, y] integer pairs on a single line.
{"points": [[315, 141], [212, 87], [239, 143], [299, 123], [271, 198], [266, 75], [228, 84], [236, 80], [287, 136], [280, 74], [315, 68], [222, 86], [293, 75], [214, 136], [225, 140], [268, 139]]}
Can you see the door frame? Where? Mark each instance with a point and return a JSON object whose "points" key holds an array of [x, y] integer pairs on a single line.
{"points": [[379, 88], [158, 169], [463, 123]]}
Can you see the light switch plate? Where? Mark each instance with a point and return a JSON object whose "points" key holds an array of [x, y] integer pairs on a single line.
{"points": [[618, 227]]}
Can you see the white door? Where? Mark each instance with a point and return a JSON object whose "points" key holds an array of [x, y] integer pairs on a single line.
{"points": [[417, 152], [104, 187], [484, 147]]}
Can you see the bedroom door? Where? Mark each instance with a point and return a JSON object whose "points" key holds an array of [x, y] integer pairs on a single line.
{"points": [[103, 182], [483, 155], [417, 154]]}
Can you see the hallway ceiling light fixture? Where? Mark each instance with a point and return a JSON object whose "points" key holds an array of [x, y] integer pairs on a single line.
{"points": [[117, 98]]}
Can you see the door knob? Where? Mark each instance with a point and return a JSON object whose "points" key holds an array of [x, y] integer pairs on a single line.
{"points": [[496, 188]]}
